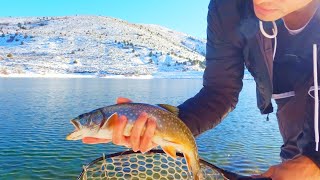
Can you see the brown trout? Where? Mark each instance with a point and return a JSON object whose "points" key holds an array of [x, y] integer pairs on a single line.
{"points": [[171, 133]]}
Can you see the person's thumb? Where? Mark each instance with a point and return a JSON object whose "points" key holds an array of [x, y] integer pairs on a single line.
{"points": [[122, 100]]}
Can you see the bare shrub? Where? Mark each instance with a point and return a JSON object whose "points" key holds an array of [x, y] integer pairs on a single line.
{"points": [[9, 55], [4, 71]]}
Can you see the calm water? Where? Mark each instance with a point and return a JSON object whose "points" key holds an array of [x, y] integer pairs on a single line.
{"points": [[35, 114]]}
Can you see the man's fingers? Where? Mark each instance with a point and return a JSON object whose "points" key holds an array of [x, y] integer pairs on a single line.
{"points": [[126, 142], [117, 136], [137, 130], [121, 100], [92, 140], [136, 141], [150, 146], [146, 142]]}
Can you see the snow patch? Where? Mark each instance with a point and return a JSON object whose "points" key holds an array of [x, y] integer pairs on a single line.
{"points": [[95, 46]]}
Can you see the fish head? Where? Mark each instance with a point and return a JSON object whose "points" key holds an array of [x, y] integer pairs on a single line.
{"points": [[94, 124], [81, 131]]}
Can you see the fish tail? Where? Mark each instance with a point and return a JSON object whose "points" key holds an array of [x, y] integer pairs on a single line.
{"points": [[199, 176], [194, 166]]}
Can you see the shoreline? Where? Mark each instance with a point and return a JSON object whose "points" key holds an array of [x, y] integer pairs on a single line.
{"points": [[162, 75], [157, 75]]}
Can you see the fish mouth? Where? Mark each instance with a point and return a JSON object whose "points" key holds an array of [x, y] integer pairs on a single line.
{"points": [[72, 136], [69, 138], [76, 134]]}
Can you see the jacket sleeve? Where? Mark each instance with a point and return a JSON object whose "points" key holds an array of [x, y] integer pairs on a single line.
{"points": [[222, 79], [306, 140]]}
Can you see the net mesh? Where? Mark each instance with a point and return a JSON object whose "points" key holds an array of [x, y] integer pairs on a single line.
{"points": [[135, 166]]}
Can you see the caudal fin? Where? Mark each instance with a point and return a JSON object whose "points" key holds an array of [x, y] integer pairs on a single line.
{"points": [[199, 176], [194, 167]]}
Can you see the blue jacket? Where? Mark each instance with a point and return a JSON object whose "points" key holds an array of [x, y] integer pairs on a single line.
{"points": [[234, 41]]}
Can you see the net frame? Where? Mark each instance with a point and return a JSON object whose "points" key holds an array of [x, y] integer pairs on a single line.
{"points": [[205, 166]]}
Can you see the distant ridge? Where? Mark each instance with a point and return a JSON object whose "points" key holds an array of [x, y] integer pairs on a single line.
{"points": [[95, 45]]}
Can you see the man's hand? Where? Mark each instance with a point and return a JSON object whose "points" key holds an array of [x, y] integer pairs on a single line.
{"points": [[137, 141], [296, 169]]}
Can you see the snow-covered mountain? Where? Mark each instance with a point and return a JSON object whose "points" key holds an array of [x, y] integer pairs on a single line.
{"points": [[96, 46]]}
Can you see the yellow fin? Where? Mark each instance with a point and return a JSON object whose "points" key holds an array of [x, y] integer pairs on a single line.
{"points": [[197, 174], [107, 123], [188, 161], [170, 150], [170, 108]]}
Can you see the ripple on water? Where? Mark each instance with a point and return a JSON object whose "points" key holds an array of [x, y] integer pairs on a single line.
{"points": [[32, 136]]}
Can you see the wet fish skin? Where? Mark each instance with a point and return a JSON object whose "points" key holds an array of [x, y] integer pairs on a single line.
{"points": [[171, 133]]}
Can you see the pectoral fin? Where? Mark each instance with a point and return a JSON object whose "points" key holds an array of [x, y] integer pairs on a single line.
{"points": [[92, 140], [107, 123], [170, 150]]}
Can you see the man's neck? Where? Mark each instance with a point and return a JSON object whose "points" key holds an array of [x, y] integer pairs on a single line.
{"points": [[301, 17]]}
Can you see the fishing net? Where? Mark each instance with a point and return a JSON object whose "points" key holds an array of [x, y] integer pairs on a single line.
{"points": [[153, 165]]}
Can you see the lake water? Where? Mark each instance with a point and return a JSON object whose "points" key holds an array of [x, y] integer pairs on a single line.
{"points": [[35, 114]]}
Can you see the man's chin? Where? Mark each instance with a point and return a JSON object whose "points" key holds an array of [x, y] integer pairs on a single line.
{"points": [[267, 18]]}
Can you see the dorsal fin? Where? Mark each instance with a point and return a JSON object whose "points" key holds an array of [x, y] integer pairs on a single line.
{"points": [[170, 108]]}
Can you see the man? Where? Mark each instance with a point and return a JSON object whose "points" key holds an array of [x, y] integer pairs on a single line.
{"points": [[281, 64]]}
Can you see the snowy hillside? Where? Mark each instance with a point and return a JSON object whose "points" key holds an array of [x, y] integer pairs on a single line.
{"points": [[95, 46]]}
